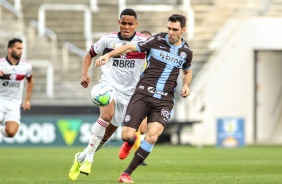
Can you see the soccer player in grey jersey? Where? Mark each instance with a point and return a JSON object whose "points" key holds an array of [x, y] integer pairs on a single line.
{"points": [[154, 93]]}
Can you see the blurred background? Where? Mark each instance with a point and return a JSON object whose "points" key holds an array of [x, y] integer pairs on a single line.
{"points": [[236, 91]]}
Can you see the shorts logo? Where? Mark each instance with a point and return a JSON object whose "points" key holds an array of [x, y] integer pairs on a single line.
{"points": [[127, 118], [141, 87], [153, 90], [183, 55], [165, 114]]}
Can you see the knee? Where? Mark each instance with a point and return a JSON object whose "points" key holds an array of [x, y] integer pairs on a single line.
{"points": [[152, 139], [127, 133], [10, 133], [106, 117]]}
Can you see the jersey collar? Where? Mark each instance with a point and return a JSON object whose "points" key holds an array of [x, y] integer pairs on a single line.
{"points": [[127, 39], [11, 62]]}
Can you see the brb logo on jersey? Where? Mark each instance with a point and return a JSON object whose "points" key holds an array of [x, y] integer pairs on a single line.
{"points": [[11, 84], [124, 63]]}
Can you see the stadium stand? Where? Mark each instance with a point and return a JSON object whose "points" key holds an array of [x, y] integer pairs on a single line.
{"points": [[68, 26]]}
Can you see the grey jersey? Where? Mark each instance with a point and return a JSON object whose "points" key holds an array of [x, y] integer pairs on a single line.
{"points": [[164, 62]]}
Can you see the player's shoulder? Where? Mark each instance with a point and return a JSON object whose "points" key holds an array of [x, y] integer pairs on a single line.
{"points": [[25, 63], [141, 35], [2, 60], [161, 35], [186, 46]]}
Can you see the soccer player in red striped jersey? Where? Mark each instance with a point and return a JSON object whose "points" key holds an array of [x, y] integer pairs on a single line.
{"points": [[13, 71], [122, 73]]}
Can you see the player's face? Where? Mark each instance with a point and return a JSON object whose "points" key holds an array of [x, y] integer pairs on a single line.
{"points": [[127, 25], [16, 51], [175, 33]]}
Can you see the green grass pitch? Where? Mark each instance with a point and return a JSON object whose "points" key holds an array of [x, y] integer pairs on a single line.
{"points": [[167, 164]]}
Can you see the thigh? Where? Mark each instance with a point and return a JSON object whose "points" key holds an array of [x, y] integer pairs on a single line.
{"points": [[137, 110], [120, 108], [143, 126]]}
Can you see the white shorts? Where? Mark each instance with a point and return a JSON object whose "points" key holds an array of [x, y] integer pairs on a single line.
{"points": [[9, 111], [121, 103]]}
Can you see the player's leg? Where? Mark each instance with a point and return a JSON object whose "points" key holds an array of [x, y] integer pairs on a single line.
{"points": [[83, 161], [110, 130], [141, 130], [97, 133], [154, 131], [135, 113], [10, 116], [11, 128], [157, 119]]}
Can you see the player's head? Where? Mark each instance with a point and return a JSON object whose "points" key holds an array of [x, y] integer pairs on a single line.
{"points": [[176, 26], [15, 48], [127, 23], [146, 33]]}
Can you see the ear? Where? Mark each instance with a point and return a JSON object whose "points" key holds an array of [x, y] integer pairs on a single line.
{"points": [[184, 29], [9, 49]]}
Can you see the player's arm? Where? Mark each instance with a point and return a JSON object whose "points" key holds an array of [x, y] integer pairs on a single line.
{"points": [[85, 79], [120, 50], [29, 86], [1, 73], [186, 80]]}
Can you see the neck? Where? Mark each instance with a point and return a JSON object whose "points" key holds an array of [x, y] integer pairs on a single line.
{"points": [[12, 60]]}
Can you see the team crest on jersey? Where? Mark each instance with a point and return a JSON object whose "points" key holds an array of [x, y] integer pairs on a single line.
{"points": [[127, 118], [114, 45], [183, 55], [13, 76]]}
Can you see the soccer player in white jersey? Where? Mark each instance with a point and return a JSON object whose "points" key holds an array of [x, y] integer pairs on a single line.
{"points": [[13, 71], [122, 73]]}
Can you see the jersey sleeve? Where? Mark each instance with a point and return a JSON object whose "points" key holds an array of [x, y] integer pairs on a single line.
{"points": [[187, 64], [145, 45], [98, 47], [29, 71]]}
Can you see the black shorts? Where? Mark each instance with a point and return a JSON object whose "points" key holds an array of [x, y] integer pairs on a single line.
{"points": [[141, 106]]}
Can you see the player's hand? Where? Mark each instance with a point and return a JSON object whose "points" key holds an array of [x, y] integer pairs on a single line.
{"points": [[26, 105], [85, 81], [101, 60], [1, 73], [185, 91]]}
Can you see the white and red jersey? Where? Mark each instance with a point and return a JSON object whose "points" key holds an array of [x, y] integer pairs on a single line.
{"points": [[121, 72], [12, 82]]}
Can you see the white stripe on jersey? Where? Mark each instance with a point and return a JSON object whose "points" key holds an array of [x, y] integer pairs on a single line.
{"points": [[121, 73], [12, 89]]}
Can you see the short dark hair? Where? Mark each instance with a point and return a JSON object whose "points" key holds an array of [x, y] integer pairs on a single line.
{"points": [[178, 18], [146, 32], [128, 11], [13, 41]]}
